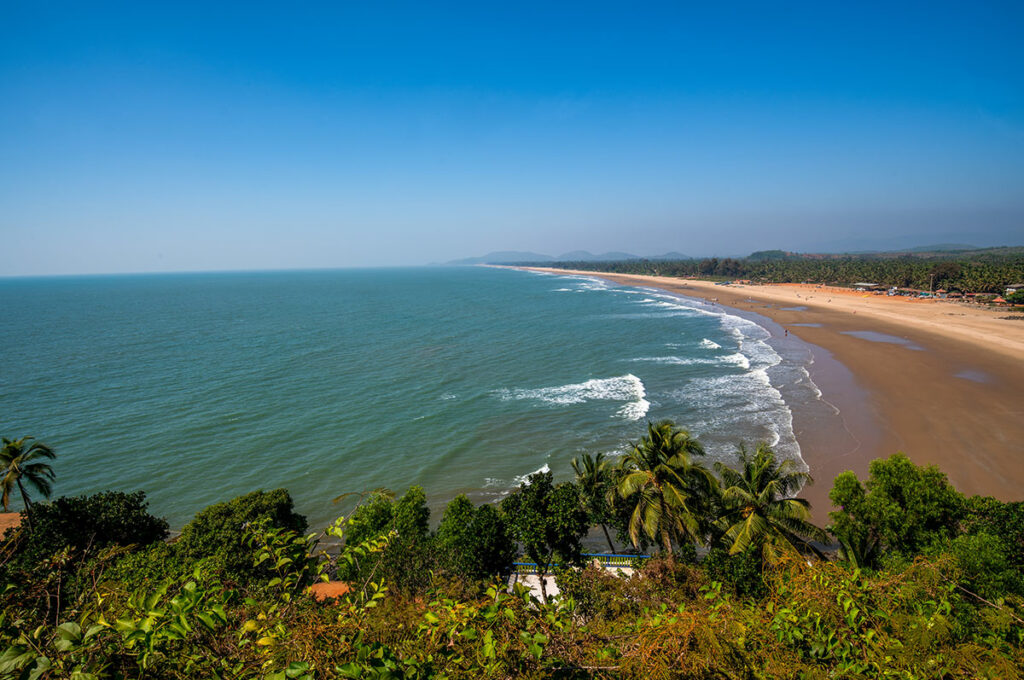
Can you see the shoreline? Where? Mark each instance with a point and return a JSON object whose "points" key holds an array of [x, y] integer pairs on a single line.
{"points": [[931, 379]]}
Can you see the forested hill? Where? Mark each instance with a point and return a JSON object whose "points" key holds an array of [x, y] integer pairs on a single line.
{"points": [[988, 270]]}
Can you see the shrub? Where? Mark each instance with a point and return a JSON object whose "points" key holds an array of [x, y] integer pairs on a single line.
{"points": [[89, 523], [1002, 520], [548, 520], [742, 573], [371, 518], [474, 543], [412, 516], [986, 568], [905, 507], [409, 559], [152, 564], [218, 534]]}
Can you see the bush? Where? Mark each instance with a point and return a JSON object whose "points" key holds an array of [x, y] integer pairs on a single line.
{"points": [[741, 573], [409, 559], [905, 507], [88, 523], [1002, 520], [218, 534], [412, 516], [371, 518], [986, 567], [474, 543]]}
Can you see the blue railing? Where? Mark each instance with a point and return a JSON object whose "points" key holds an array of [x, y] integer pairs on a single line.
{"points": [[606, 561]]}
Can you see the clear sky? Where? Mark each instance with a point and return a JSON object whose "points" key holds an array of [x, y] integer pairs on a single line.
{"points": [[209, 136]]}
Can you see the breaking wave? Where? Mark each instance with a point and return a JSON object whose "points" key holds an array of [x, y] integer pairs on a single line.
{"points": [[626, 388]]}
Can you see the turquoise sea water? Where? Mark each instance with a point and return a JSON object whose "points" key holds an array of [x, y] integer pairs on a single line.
{"points": [[200, 387]]}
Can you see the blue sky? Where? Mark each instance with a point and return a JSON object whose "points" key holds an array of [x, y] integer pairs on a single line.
{"points": [[211, 136]]}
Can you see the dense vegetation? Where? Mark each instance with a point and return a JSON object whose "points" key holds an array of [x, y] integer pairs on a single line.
{"points": [[988, 271], [926, 583]]}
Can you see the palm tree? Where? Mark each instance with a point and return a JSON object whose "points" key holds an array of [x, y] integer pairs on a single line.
{"points": [[593, 477], [660, 479], [21, 462], [759, 508]]}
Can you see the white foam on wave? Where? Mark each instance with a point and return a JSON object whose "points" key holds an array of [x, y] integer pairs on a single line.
{"points": [[525, 479], [745, 398], [509, 487], [586, 282], [752, 341], [627, 388], [737, 359], [685, 306], [739, 401], [808, 380], [741, 398]]}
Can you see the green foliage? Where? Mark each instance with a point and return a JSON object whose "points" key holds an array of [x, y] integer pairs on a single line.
{"points": [[373, 517], [740, 573], [597, 481], [474, 543], [455, 521], [987, 271], [163, 631], [154, 563], [760, 508], [904, 507], [22, 464], [412, 517], [89, 523], [953, 612], [218, 534], [985, 565], [287, 555], [1016, 298], [664, 487], [410, 557], [548, 520], [1003, 520]]}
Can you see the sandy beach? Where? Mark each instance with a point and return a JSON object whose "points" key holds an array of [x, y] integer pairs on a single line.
{"points": [[940, 381]]}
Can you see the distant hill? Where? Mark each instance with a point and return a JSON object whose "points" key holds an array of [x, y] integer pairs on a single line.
{"points": [[504, 257], [942, 248], [586, 256], [673, 255], [521, 257]]}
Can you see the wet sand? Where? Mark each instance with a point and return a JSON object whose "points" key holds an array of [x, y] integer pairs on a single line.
{"points": [[938, 381]]}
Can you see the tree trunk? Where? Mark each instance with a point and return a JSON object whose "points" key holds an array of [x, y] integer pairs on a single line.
{"points": [[666, 542], [611, 546], [542, 574], [28, 504]]}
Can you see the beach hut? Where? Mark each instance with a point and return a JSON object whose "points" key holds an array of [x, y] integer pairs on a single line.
{"points": [[864, 286], [1014, 288]]}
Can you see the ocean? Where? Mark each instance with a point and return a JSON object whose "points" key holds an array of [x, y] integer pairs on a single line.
{"points": [[196, 388]]}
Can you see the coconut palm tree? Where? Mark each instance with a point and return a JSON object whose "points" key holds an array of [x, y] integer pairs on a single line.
{"points": [[661, 481], [594, 479], [21, 463], [759, 508]]}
